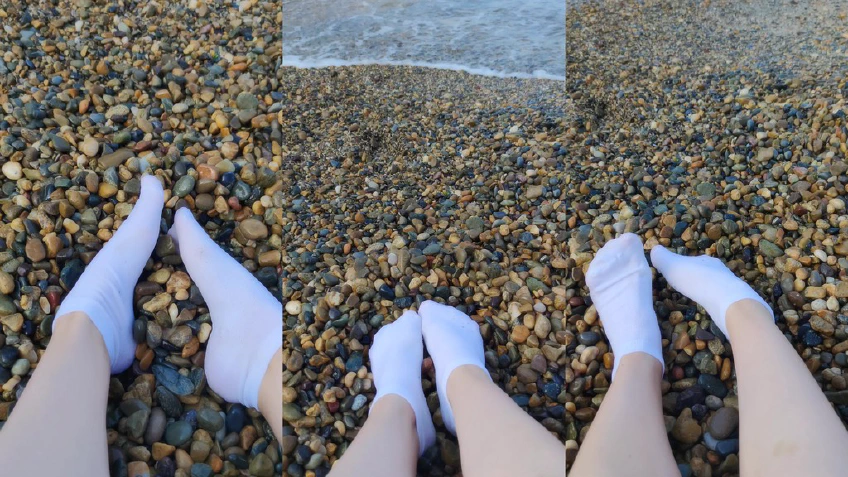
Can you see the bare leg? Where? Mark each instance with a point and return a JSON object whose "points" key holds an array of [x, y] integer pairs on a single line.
{"points": [[496, 437], [787, 426], [271, 395], [629, 426], [386, 446], [62, 412], [628, 435]]}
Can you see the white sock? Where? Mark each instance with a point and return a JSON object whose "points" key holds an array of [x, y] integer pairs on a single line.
{"points": [[619, 281], [453, 339], [705, 280], [396, 357], [104, 292], [247, 321]]}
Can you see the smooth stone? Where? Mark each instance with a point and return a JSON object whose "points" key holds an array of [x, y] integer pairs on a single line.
{"points": [[12, 170], [8, 356], [770, 249], [115, 159], [261, 466], [155, 426], [173, 380], [247, 101], [178, 433], [236, 418], [359, 402], [184, 186], [253, 229], [21, 367], [723, 423], [712, 385], [210, 420], [7, 306], [201, 470]]}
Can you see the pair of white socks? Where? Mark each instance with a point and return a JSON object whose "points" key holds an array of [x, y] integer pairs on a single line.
{"points": [[453, 340], [619, 281], [246, 318]]}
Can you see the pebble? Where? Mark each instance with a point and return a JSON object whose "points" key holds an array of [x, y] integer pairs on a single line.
{"points": [[178, 433], [210, 420], [173, 380], [12, 170], [723, 423]]}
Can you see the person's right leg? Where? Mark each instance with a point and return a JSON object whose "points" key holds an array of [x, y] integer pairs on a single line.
{"points": [[271, 395], [787, 427], [496, 438]]}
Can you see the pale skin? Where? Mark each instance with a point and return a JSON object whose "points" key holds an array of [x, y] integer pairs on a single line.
{"points": [[628, 436], [62, 412], [784, 430], [387, 445]]}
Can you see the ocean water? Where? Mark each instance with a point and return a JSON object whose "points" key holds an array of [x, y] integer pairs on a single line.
{"points": [[488, 37]]}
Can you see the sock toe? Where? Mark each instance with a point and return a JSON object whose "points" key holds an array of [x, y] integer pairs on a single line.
{"points": [[625, 252]]}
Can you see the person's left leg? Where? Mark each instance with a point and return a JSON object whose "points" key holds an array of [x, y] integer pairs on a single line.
{"points": [[399, 426], [628, 434], [62, 412], [386, 446]]}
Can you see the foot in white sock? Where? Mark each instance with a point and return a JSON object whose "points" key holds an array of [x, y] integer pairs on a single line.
{"points": [[453, 339], [705, 280], [247, 321], [396, 357], [619, 281], [104, 291]]}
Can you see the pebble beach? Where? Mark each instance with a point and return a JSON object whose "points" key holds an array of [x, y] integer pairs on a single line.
{"points": [[716, 137], [408, 184], [706, 135], [92, 95]]}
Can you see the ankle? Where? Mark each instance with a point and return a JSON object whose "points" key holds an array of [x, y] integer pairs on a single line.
{"points": [[394, 404], [640, 364], [74, 322], [77, 329], [78, 326], [745, 312], [461, 379]]}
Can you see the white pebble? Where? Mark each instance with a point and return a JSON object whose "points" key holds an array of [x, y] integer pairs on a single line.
{"points": [[12, 170]]}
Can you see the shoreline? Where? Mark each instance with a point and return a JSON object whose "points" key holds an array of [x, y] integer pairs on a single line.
{"points": [[301, 63]]}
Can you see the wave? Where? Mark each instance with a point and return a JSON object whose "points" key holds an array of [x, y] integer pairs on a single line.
{"points": [[306, 63]]}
